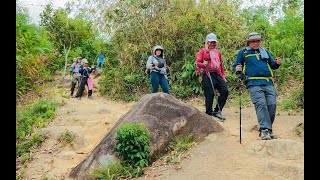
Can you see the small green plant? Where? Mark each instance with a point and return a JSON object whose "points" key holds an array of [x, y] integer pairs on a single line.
{"points": [[133, 145], [115, 171], [298, 130], [28, 119], [67, 137], [183, 144], [26, 145], [178, 147], [295, 101], [44, 178]]}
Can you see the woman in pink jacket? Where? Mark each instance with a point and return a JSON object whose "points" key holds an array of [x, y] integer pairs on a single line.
{"points": [[209, 60]]}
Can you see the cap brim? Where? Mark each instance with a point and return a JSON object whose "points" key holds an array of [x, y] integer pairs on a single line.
{"points": [[212, 40], [254, 38]]}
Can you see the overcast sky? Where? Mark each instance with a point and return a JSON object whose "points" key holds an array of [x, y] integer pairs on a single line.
{"points": [[35, 7]]}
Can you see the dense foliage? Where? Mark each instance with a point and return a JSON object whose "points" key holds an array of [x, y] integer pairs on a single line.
{"points": [[132, 28], [34, 58], [181, 26]]}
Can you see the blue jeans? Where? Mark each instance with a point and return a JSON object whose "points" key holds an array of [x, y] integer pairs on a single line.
{"points": [[100, 64], [264, 99], [157, 79]]}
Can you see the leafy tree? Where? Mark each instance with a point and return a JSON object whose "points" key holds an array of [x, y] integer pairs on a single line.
{"points": [[65, 32], [33, 54]]}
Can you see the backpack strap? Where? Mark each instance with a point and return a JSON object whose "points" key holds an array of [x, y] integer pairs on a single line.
{"points": [[244, 57]]}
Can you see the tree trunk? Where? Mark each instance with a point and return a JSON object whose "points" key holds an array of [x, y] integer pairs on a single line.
{"points": [[66, 52]]}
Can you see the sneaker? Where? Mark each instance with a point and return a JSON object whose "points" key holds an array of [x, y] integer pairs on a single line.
{"points": [[90, 97], [273, 136], [71, 94], [264, 134], [79, 98], [218, 115]]}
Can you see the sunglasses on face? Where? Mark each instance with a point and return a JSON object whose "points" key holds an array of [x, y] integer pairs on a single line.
{"points": [[258, 41]]}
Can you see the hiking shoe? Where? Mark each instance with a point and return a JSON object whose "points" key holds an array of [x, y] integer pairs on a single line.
{"points": [[90, 97], [218, 115], [264, 134], [273, 136]]}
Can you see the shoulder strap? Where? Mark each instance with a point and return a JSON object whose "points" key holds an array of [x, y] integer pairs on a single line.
{"points": [[244, 56], [245, 60], [155, 57]]}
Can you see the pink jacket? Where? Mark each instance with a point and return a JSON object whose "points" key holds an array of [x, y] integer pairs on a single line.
{"points": [[202, 55], [90, 83]]}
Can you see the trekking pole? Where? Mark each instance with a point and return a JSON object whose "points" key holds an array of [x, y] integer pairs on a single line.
{"points": [[240, 94], [240, 111], [214, 92]]}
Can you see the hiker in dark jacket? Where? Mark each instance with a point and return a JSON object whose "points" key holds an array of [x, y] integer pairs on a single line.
{"points": [[254, 64], [157, 65], [85, 80], [210, 58]]}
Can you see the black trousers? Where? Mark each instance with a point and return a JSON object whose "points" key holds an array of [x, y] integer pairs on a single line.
{"points": [[84, 81], [220, 85]]}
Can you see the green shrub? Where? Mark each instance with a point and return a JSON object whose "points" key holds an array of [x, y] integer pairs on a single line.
{"points": [[37, 116], [133, 145], [27, 144], [67, 137], [294, 101]]}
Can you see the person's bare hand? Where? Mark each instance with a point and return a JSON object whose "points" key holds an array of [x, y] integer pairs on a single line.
{"points": [[156, 63], [278, 60], [239, 68]]}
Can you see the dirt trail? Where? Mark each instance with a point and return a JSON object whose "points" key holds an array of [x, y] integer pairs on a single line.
{"points": [[220, 156]]}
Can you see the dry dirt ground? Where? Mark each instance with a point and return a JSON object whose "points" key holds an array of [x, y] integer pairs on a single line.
{"points": [[219, 156]]}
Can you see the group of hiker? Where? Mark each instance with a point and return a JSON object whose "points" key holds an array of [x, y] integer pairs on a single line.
{"points": [[254, 66], [80, 75]]}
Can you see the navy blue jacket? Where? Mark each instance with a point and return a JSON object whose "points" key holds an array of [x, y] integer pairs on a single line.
{"points": [[255, 67], [85, 72]]}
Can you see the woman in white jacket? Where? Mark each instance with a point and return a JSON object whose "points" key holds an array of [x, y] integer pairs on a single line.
{"points": [[157, 65]]}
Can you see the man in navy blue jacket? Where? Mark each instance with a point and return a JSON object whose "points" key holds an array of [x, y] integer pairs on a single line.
{"points": [[85, 72], [255, 65]]}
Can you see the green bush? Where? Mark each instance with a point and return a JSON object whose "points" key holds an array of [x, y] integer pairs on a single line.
{"points": [[37, 116], [294, 101], [133, 145]]}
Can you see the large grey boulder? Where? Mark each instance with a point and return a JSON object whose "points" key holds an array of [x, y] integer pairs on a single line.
{"points": [[164, 116]]}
